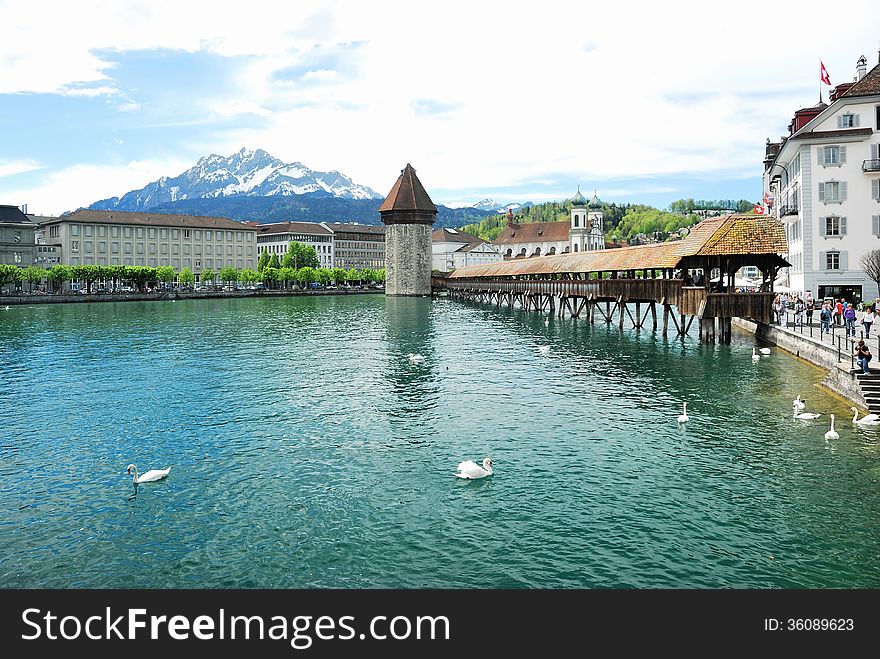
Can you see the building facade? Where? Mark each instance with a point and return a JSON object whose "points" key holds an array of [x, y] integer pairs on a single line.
{"points": [[583, 232], [358, 246], [93, 237], [17, 241], [451, 249], [276, 238], [823, 181], [408, 214]]}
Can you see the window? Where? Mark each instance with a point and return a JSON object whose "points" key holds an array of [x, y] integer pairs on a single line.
{"points": [[151, 232], [832, 155], [209, 234], [140, 232], [74, 245], [228, 235], [87, 230], [114, 247], [139, 248], [102, 231], [152, 248], [198, 249], [74, 229], [163, 233], [114, 231], [186, 249], [848, 121], [186, 233], [163, 248], [875, 189], [832, 192], [875, 225], [218, 250], [229, 250], [835, 226], [54, 231], [126, 232], [832, 260], [102, 247], [250, 237], [576, 220], [16, 256], [175, 234], [175, 249], [127, 249]]}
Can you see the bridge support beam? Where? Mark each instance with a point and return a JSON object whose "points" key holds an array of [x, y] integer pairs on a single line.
{"points": [[707, 330]]}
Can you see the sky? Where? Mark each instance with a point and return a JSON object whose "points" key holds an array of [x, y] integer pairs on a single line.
{"points": [[644, 102]]}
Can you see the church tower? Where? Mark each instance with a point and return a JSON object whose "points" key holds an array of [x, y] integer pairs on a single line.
{"points": [[408, 214], [578, 233], [594, 222]]}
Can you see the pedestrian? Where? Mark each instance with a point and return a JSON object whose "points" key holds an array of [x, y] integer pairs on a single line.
{"points": [[799, 311], [810, 306], [849, 317], [838, 312], [777, 309], [825, 317], [863, 355], [867, 321]]}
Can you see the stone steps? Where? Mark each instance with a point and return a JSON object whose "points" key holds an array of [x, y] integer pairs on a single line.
{"points": [[870, 387]]}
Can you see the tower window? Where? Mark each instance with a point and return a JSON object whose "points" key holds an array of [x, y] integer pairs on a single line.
{"points": [[576, 220]]}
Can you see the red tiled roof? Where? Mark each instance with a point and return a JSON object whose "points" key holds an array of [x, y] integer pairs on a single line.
{"points": [[867, 86], [309, 228], [153, 219], [408, 194], [535, 232]]}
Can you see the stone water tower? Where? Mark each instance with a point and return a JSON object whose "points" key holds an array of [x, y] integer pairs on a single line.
{"points": [[408, 214]]}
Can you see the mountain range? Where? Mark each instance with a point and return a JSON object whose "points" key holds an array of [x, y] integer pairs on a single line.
{"points": [[254, 185]]}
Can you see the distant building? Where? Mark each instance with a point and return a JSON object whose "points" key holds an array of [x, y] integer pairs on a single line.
{"points": [[358, 246], [101, 237], [583, 232], [453, 249], [16, 237], [408, 214], [275, 239]]}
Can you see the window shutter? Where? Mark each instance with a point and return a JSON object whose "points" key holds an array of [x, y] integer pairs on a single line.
{"points": [[855, 120], [875, 189], [840, 121], [823, 261], [821, 192], [823, 226], [842, 155], [843, 261], [843, 226], [874, 151], [843, 191], [875, 225]]}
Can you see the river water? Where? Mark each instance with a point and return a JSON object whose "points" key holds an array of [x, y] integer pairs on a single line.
{"points": [[307, 451]]}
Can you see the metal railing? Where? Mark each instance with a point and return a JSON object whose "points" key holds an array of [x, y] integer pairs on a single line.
{"points": [[872, 165], [837, 334], [788, 210]]}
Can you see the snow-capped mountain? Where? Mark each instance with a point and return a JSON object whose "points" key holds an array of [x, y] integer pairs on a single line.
{"points": [[489, 204], [246, 173]]}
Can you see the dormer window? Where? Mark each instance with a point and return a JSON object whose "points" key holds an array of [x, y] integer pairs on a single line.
{"points": [[848, 120]]}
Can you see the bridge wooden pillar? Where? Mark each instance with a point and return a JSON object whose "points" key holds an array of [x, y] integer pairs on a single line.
{"points": [[654, 316], [638, 315], [620, 307], [707, 330]]}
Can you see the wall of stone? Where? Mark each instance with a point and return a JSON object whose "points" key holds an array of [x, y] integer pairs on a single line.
{"points": [[408, 259]]}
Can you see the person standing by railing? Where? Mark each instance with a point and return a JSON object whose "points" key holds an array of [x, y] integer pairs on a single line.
{"points": [[810, 306], [777, 309], [867, 321], [849, 318], [838, 312], [799, 311], [825, 316]]}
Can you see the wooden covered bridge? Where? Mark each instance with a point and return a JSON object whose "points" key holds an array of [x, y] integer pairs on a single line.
{"points": [[696, 275]]}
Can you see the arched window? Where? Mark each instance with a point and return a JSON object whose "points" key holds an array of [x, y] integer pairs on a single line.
{"points": [[567, 249], [552, 250], [509, 252], [522, 252], [576, 218], [575, 247], [537, 251]]}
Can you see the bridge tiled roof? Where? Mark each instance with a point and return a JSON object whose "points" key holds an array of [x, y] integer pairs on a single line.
{"points": [[732, 234]]}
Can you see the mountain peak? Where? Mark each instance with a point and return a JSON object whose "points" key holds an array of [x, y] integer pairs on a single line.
{"points": [[244, 173]]}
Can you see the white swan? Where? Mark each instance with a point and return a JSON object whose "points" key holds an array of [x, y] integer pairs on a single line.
{"points": [[798, 403], [805, 416], [544, 350], [832, 434], [765, 351], [152, 475], [755, 356], [470, 469], [415, 358], [683, 418], [867, 420]]}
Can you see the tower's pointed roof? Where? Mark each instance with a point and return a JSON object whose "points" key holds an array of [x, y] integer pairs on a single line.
{"points": [[408, 194], [578, 199]]}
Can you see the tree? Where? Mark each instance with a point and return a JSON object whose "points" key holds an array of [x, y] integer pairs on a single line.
{"points": [[228, 274], [870, 263], [9, 274], [274, 262], [187, 278], [87, 273], [57, 275], [352, 275], [286, 275], [208, 275], [248, 276], [165, 273], [32, 274], [299, 255], [270, 275], [264, 261], [337, 275]]}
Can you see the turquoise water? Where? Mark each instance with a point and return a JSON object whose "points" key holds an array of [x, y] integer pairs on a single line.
{"points": [[306, 451]]}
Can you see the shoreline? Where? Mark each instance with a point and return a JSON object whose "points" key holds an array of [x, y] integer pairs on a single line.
{"points": [[27, 300]]}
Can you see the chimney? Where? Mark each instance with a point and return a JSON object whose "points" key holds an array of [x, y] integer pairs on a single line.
{"points": [[510, 222], [861, 68], [24, 208]]}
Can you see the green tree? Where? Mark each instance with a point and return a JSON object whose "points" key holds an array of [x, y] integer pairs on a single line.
{"points": [[352, 275], [9, 274], [228, 275], [165, 273], [57, 275], [141, 275], [263, 262], [380, 275], [271, 275], [299, 255], [306, 275], [87, 273], [286, 275], [33, 274], [187, 278], [248, 276], [208, 275], [274, 262], [337, 275]]}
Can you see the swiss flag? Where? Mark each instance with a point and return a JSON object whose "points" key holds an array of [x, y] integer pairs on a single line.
{"points": [[759, 209], [823, 74]]}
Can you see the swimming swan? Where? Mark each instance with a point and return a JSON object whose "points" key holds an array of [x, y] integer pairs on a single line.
{"points": [[806, 416], [544, 350], [867, 420], [415, 359], [683, 418], [755, 356], [798, 403], [764, 351], [152, 475], [470, 469], [832, 434]]}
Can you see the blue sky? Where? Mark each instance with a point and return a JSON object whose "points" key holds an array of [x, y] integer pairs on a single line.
{"points": [[647, 103]]}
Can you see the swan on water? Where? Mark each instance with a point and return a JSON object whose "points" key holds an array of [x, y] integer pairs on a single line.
{"points": [[415, 358], [765, 351], [798, 403], [471, 470], [6, 308], [867, 420], [152, 475], [832, 434], [805, 416], [755, 356], [683, 418], [544, 349]]}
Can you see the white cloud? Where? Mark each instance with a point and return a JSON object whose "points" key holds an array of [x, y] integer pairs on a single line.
{"points": [[18, 167]]}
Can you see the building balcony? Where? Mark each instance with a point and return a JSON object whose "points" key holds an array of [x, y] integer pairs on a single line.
{"points": [[871, 166], [788, 210]]}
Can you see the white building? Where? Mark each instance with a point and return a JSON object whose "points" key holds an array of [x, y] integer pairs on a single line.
{"points": [[583, 232], [275, 239], [824, 180], [451, 249]]}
